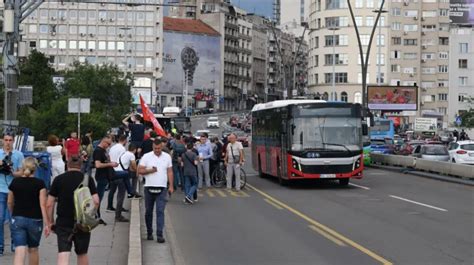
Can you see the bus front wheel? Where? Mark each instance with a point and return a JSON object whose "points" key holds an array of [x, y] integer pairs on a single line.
{"points": [[281, 180], [344, 182]]}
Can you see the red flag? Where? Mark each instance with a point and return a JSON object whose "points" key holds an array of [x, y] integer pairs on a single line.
{"points": [[149, 116]]}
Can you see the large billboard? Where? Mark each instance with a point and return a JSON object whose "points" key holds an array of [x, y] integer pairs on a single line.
{"points": [[194, 59], [461, 11], [392, 97]]}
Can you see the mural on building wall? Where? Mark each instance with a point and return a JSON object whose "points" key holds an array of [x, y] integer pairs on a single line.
{"points": [[190, 58]]}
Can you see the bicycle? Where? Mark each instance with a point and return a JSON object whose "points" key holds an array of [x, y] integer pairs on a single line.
{"points": [[219, 177]]}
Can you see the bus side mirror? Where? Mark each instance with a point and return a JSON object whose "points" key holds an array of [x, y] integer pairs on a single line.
{"points": [[365, 129]]}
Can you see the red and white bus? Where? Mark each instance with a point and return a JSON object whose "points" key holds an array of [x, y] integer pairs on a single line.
{"points": [[308, 139]]}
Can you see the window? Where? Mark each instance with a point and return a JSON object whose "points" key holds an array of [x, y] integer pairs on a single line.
{"points": [[396, 41], [337, 40], [336, 4], [396, 26], [359, 78], [32, 44], [443, 41], [339, 58], [120, 45], [62, 29], [364, 39], [91, 44], [120, 15], [442, 68], [337, 22], [462, 97], [380, 78], [369, 21], [411, 13], [443, 55], [91, 15], [462, 63], [111, 15], [359, 4], [395, 55], [370, 3], [102, 15], [340, 78], [72, 14], [410, 42], [358, 97], [102, 45], [462, 81], [429, 13], [395, 68], [44, 13], [44, 28], [83, 30], [72, 29], [358, 20], [72, 44], [428, 56], [141, 16], [62, 44], [344, 97], [82, 15], [463, 47], [91, 30], [380, 59], [444, 12], [149, 16], [380, 40], [396, 11], [442, 110], [442, 83], [428, 70], [149, 62], [33, 28], [427, 84], [111, 45], [410, 55], [442, 97], [410, 27], [43, 44], [82, 44], [111, 31]]}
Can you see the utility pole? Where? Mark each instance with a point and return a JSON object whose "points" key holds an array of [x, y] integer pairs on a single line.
{"points": [[364, 62]]}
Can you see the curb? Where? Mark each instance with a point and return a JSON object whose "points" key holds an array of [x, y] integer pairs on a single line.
{"points": [[134, 239], [425, 174], [173, 243]]}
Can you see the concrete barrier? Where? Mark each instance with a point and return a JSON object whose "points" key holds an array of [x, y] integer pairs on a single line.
{"points": [[134, 240], [443, 168]]}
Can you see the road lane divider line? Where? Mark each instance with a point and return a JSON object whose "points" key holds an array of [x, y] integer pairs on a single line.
{"points": [[418, 203], [273, 204], [359, 186], [221, 193], [326, 235], [323, 227], [210, 193]]}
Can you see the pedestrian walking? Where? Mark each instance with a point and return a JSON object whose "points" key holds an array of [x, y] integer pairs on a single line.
{"points": [[56, 151], [463, 136], [62, 191], [205, 153], [86, 154], [216, 155], [104, 169], [189, 162], [72, 145], [178, 149], [157, 169], [10, 163], [233, 160], [27, 203], [147, 145]]}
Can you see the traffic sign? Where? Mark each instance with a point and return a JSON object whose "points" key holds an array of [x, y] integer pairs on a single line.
{"points": [[458, 120]]}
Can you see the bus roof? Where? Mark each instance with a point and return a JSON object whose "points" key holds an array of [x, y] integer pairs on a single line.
{"points": [[284, 103]]}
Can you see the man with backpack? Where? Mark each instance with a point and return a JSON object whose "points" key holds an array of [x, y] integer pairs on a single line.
{"points": [[73, 223]]}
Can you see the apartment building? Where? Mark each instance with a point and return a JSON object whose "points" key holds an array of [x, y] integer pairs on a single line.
{"points": [[411, 46], [461, 69], [127, 36], [259, 56], [245, 60]]}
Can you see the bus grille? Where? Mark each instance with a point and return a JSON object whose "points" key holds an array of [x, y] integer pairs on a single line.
{"points": [[326, 169]]}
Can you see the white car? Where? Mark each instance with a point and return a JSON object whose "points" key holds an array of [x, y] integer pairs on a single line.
{"points": [[462, 152], [213, 122]]}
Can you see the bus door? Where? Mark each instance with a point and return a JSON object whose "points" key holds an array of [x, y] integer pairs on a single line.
{"points": [[284, 145]]}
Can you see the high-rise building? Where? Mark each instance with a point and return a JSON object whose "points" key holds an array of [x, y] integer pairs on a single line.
{"points": [[259, 56], [277, 11], [461, 68], [130, 37], [411, 46]]}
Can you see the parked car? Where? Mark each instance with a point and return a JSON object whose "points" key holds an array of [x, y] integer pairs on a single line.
{"points": [[432, 152], [381, 146], [462, 152], [198, 133], [408, 148], [213, 122]]}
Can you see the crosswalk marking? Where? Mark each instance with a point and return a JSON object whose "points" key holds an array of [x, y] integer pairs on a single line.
{"points": [[221, 193], [210, 193], [239, 194]]}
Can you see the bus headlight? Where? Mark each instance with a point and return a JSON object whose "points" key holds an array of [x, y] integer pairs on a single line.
{"points": [[296, 165], [357, 163]]}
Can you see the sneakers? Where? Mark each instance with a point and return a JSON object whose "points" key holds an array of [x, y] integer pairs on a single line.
{"points": [[160, 240], [125, 210], [102, 222], [136, 195], [188, 200], [149, 237], [121, 219], [110, 209]]}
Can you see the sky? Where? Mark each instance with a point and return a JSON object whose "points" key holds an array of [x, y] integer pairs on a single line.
{"points": [[260, 7]]}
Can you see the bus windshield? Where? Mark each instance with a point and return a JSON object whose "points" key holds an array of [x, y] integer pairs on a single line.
{"points": [[325, 132]]}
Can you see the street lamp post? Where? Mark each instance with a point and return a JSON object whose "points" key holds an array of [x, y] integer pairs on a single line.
{"points": [[379, 50], [333, 59]]}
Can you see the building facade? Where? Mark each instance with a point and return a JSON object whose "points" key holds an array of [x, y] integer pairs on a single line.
{"points": [[259, 56], [461, 68], [411, 46], [130, 37], [245, 60]]}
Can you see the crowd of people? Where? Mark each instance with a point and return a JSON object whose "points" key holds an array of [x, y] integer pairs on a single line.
{"points": [[122, 161]]}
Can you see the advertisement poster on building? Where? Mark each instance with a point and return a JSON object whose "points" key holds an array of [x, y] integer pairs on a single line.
{"points": [[192, 62], [145, 92], [425, 125], [392, 97], [461, 12]]}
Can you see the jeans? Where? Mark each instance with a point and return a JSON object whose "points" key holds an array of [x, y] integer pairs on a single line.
{"points": [[203, 171], [3, 210], [233, 169], [101, 185], [26, 231], [123, 176], [86, 167], [178, 176], [134, 180], [159, 200], [118, 185], [190, 186]]}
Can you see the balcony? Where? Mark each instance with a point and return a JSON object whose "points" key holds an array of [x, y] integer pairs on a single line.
{"points": [[271, 70], [271, 81]]}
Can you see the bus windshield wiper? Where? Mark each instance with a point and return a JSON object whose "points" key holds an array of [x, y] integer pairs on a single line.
{"points": [[341, 145]]}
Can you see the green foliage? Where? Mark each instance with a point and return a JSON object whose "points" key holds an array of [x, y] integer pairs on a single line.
{"points": [[106, 86], [468, 116]]}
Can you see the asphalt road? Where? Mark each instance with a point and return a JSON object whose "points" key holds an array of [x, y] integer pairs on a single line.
{"points": [[385, 218]]}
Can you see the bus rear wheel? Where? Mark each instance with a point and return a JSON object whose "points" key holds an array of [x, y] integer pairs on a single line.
{"points": [[344, 182]]}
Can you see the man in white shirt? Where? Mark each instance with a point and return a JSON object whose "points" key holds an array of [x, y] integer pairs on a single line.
{"points": [[121, 180], [157, 169], [233, 160]]}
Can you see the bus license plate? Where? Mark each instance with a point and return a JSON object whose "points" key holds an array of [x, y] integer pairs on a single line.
{"points": [[328, 176]]}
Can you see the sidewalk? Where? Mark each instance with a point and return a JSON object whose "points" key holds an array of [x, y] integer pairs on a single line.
{"points": [[109, 244]]}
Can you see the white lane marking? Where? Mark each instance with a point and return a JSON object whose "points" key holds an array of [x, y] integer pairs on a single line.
{"points": [[419, 203], [359, 186]]}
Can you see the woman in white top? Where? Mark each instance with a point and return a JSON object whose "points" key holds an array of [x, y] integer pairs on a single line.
{"points": [[56, 152]]}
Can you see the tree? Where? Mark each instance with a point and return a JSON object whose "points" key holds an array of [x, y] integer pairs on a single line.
{"points": [[467, 117], [106, 86]]}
